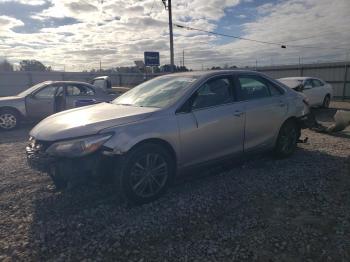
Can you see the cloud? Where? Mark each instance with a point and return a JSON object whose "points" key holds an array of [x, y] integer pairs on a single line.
{"points": [[119, 31], [7, 23], [26, 2]]}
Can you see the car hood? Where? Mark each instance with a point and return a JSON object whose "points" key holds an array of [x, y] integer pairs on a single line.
{"points": [[87, 120]]}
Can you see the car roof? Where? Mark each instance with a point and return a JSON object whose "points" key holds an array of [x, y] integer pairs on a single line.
{"points": [[297, 78], [210, 73], [69, 82]]}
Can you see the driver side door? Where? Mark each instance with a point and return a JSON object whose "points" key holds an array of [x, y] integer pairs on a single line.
{"points": [[41, 104], [214, 125]]}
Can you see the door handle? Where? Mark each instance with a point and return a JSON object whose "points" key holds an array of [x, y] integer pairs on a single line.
{"points": [[238, 113]]}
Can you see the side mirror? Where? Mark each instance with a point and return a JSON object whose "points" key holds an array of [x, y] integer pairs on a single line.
{"points": [[185, 108]]}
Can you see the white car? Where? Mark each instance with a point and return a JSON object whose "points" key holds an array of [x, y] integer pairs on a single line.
{"points": [[317, 91]]}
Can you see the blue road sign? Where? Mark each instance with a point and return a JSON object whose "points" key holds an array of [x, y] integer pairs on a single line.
{"points": [[152, 59]]}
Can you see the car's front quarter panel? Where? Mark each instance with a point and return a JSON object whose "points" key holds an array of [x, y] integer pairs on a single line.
{"points": [[159, 126], [17, 103]]}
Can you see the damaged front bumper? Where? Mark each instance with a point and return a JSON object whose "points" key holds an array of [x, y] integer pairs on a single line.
{"points": [[91, 166]]}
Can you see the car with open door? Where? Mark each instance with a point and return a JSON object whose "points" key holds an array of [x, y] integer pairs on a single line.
{"points": [[318, 92], [47, 98], [146, 136]]}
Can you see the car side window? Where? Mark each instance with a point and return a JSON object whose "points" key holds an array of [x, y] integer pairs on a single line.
{"points": [[79, 90], [46, 93], [274, 90], [252, 87], [316, 83], [308, 83], [213, 93]]}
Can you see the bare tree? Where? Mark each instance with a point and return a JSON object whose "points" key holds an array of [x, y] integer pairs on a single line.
{"points": [[6, 66], [33, 65]]}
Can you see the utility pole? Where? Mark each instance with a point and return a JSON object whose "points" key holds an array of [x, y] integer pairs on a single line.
{"points": [[168, 7], [100, 66], [183, 58]]}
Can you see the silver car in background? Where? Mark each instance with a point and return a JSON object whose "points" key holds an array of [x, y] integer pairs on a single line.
{"points": [[168, 124], [47, 98]]}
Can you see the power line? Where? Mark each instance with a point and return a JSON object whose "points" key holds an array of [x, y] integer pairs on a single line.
{"points": [[282, 45]]}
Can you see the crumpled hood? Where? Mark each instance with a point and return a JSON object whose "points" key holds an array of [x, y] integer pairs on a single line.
{"points": [[87, 120]]}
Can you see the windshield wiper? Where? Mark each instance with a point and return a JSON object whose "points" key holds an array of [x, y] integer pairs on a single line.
{"points": [[124, 104]]}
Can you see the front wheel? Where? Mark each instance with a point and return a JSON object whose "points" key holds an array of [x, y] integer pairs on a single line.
{"points": [[9, 119], [146, 173], [287, 139], [326, 101]]}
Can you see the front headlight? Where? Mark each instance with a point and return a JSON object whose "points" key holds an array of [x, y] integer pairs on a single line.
{"points": [[78, 147]]}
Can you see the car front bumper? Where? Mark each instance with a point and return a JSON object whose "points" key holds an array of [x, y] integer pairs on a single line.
{"points": [[93, 165]]}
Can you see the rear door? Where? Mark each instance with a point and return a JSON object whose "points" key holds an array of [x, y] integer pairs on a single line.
{"points": [[214, 127], [79, 95], [265, 107], [41, 103]]}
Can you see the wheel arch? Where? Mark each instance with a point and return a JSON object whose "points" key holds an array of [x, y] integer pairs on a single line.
{"points": [[2, 108], [160, 142], [291, 118]]}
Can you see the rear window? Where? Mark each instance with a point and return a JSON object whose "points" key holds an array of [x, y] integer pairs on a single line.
{"points": [[291, 83]]}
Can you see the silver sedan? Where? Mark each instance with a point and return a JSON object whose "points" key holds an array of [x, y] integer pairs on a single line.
{"points": [[166, 125], [47, 98]]}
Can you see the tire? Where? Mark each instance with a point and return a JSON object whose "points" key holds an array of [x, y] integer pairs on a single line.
{"points": [[60, 182], [145, 173], [326, 101], [9, 119], [287, 139]]}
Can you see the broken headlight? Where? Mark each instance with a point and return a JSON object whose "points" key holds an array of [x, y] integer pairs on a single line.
{"points": [[78, 147]]}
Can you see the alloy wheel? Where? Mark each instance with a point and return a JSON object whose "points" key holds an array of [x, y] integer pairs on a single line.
{"points": [[8, 121], [288, 139], [149, 175], [326, 102]]}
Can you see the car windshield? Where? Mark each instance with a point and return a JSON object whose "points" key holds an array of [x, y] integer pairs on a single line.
{"points": [[291, 83], [99, 83], [31, 89], [159, 92]]}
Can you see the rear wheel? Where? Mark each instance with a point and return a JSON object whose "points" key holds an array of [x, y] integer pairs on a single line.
{"points": [[287, 139], [326, 101], [9, 119], [146, 173]]}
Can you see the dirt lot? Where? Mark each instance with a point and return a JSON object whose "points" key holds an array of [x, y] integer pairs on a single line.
{"points": [[260, 209]]}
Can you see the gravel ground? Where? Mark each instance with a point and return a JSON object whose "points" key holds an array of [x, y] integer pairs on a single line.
{"points": [[260, 209]]}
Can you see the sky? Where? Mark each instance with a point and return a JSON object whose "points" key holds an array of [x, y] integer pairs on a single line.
{"points": [[76, 34]]}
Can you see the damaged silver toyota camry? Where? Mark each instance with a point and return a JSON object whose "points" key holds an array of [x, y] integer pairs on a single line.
{"points": [[149, 134]]}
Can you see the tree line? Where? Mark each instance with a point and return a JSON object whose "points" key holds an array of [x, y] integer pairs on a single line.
{"points": [[24, 65]]}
